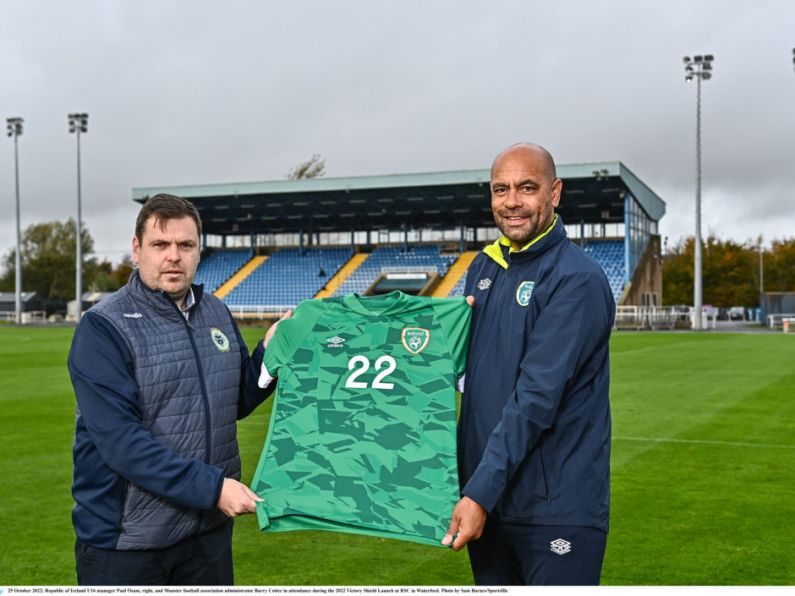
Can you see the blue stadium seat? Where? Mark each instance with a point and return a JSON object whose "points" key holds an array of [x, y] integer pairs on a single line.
{"points": [[288, 277], [458, 288], [610, 255], [219, 265], [417, 256]]}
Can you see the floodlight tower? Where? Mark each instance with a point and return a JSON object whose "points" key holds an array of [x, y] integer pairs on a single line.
{"points": [[14, 126], [698, 68], [78, 123]]}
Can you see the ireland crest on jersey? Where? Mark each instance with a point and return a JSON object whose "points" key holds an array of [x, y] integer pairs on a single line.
{"points": [[414, 339], [524, 292]]}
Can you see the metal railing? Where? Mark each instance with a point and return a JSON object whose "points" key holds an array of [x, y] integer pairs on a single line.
{"points": [[31, 316], [410, 269], [258, 311], [776, 322], [660, 317]]}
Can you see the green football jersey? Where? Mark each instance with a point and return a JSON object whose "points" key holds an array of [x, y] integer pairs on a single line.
{"points": [[362, 437]]}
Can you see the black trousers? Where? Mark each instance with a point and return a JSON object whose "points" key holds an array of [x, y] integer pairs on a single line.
{"points": [[515, 555], [204, 560]]}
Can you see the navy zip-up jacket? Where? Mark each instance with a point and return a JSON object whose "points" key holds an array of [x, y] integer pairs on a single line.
{"points": [[157, 399], [534, 433]]}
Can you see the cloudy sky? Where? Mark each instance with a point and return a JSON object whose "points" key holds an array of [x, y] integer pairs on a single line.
{"points": [[197, 91]]}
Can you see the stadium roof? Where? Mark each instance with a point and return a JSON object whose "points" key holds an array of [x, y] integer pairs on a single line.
{"points": [[592, 192]]}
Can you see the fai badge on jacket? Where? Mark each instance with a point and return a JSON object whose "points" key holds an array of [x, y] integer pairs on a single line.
{"points": [[219, 339], [524, 292]]}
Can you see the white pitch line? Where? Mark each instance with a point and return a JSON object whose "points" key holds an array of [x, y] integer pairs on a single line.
{"points": [[704, 442]]}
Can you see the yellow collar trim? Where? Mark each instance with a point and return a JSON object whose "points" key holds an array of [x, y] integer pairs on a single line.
{"points": [[494, 250]]}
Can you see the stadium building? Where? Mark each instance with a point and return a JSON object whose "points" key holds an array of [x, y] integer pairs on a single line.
{"points": [[269, 245]]}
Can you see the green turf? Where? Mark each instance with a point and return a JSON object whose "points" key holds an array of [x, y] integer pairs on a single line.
{"points": [[703, 473]]}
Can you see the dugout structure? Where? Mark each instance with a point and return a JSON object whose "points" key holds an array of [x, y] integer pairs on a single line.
{"points": [[600, 202]]}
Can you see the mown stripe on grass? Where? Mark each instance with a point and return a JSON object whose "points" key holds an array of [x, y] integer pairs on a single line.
{"points": [[703, 442]]}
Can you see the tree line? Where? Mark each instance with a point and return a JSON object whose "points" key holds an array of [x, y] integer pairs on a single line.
{"points": [[49, 268], [730, 271]]}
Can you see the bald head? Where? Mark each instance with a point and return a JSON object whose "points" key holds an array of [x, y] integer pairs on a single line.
{"points": [[524, 192], [528, 150]]}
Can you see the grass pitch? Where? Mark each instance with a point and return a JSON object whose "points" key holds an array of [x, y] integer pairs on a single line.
{"points": [[703, 473]]}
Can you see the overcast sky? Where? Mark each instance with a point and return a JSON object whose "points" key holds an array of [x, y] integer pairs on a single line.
{"points": [[193, 91]]}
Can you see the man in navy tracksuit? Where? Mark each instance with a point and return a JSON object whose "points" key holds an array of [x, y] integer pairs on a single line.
{"points": [[534, 433]]}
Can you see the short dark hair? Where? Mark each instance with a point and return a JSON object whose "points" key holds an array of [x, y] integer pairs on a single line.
{"points": [[164, 207]]}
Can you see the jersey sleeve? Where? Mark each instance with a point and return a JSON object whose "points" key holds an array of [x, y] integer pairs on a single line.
{"points": [[454, 316], [287, 338]]}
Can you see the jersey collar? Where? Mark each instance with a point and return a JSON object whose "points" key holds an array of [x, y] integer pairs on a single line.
{"points": [[377, 306]]}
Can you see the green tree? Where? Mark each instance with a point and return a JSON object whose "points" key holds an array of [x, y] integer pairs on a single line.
{"points": [[108, 278], [678, 274], [104, 280], [729, 273], [122, 271], [48, 260], [779, 272]]}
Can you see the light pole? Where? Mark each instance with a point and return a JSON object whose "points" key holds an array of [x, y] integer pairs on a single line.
{"points": [[699, 67], [78, 123], [14, 130]]}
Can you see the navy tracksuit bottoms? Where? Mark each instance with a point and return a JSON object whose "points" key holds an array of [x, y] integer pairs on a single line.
{"points": [[514, 555]]}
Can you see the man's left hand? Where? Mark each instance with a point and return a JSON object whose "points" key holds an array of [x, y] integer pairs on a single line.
{"points": [[272, 330], [467, 524]]}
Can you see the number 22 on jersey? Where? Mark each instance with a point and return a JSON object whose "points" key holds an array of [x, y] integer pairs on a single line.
{"points": [[361, 364]]}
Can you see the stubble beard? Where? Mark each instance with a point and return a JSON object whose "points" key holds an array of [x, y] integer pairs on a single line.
{"points": [[520, 236]]}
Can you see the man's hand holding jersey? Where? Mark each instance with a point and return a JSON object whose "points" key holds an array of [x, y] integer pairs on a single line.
{"points": [[469, 518]]}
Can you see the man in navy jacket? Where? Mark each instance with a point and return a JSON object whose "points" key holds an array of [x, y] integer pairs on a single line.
{"points": [[534, 432], [161, 374]]}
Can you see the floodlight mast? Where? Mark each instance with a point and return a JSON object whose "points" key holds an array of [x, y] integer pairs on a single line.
{"points": [[14, 127], [78, 123], [698, 68]]}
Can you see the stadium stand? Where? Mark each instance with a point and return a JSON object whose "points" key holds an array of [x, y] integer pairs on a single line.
{"points": [[609, 210], [610, 255], [458, 288], [230, 284], [219, 265], [453, 282], [288, 277], [344, 273], [419, 258]]}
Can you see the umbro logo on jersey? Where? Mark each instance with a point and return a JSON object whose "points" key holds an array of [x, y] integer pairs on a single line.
{"points": [[335, 342], [560, 546], [133, 315], [484, 284]]}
